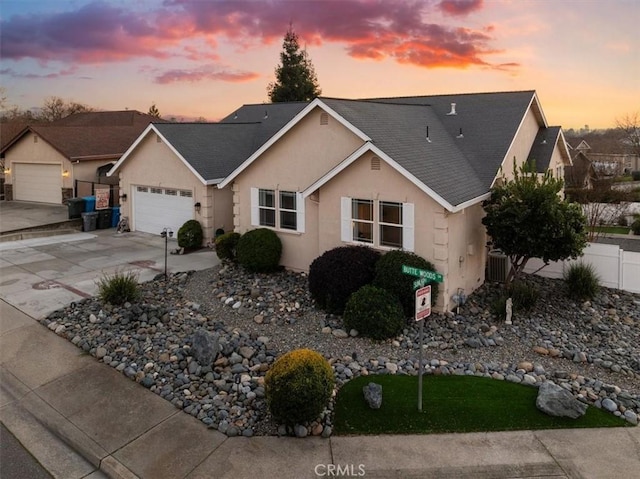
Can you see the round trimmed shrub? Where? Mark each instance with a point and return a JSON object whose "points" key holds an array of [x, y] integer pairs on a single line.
{"points": [[389, 276], [635, 227], [338, 273], [259, 250], [374, 312], [190, 235], [582, 281], [298, 386], [226, 245]]}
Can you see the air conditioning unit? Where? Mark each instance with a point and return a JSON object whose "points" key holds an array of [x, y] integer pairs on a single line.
{"points": [[497, 266]]}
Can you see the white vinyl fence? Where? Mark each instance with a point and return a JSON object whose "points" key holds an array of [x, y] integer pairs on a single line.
{"points": [[616, 268]]}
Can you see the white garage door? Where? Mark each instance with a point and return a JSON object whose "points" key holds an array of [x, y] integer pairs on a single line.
{"points": [[37, 182], [157, 208]]}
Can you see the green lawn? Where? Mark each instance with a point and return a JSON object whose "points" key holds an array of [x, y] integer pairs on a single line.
{"points": [[450, 404], [620, 230]]}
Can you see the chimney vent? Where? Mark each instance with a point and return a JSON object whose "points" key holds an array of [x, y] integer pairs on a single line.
{"points": [[453, 109], [460, 135], [428, 139]]}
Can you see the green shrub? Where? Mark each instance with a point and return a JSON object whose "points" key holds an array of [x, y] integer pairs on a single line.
{"points": [[635, 227], [582, 281], [524, 295], [298, 386], [190, 235], [338, 273], [622, 220], [498, 308], [259, 250], [119, 288], [389, 276], [374, 312], [635, 175], [226, 245]]}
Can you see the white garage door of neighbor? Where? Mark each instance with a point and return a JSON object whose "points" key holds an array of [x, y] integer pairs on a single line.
{"points": [[157, 208], [37, 182]]}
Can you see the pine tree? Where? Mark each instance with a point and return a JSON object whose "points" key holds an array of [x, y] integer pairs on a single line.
{"points": [[153, 111], [296, 78]]}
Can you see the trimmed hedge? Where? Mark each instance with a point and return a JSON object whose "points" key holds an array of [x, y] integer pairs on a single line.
{"points": [[226, 245], [259, 250], [374, 313], [338, 273], [298, 386], [190, 235]]}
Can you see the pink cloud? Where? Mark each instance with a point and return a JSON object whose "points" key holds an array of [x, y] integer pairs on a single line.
{"points": [[374, 30], [210, 72], [460, 7]]}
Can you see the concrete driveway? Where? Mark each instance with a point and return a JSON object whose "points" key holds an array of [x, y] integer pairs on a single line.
{"points": [[18, 215], [41, 275]]}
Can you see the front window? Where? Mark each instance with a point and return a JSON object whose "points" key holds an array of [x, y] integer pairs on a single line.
{"points": [[267, 206], [391, 224], [362, 215], [288, 210]]}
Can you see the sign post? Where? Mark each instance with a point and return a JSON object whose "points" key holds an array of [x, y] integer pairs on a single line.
{"points": [[423, 309]]}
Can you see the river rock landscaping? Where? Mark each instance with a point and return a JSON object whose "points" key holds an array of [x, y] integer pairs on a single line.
{"points": [[592, 349]]}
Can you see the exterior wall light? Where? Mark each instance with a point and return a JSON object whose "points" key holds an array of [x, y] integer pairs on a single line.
{"points": [[197, 206], [65, 174]]}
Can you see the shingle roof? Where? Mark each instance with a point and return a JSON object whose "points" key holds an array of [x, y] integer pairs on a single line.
{"points": [[542, 148], [213, 149], [91, 135], [457, 168]]}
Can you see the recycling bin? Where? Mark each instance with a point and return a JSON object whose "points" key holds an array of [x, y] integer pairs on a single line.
{"points": [[115, 216], [89, 221], [104, 219], [76, 207], [89, 204]]}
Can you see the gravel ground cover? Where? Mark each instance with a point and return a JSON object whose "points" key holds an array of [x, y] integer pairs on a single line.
{"points": [[591, 348]]}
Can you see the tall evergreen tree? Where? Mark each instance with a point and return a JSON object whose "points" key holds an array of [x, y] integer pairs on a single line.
{"points": [[153, 111], [296, 78]]}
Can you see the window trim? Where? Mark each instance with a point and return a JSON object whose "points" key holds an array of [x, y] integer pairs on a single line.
{"points": [[347, 227], [299, 211]]}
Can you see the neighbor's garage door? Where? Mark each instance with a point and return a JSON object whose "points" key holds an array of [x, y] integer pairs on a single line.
{"points": [[37, 182], [157, 208]]}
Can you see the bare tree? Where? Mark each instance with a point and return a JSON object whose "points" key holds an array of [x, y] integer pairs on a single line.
{"points": [[56, 108], [629, 126]]}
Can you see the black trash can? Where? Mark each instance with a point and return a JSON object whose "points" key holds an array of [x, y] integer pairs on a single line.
{"points": [[104, 218], [89, 221], [76, 207]]}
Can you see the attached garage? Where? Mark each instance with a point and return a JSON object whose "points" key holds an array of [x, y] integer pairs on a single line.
{"points": [[157, 208], [39, 182]]}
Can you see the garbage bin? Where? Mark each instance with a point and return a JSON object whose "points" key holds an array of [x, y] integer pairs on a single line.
{"points": [[89, 204], [115, 216], [89, 221], [76, 207], [104, 218]]}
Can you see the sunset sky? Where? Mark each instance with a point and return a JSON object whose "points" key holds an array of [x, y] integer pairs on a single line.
{"points": [[197, 58]]}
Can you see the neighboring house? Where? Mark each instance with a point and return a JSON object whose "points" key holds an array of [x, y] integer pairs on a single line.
{"points": [[170, 173], [581, 174], [407, 173], [44, 163]]}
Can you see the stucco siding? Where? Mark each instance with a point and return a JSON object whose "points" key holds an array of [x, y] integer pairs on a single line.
{"points": [[521, 145], [297, 160], [154, 164], [27, 150]]}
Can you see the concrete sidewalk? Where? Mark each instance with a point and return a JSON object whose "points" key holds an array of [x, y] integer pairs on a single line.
{"points": [[108, 424]]}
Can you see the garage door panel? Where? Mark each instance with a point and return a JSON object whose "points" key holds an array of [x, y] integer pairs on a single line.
{"points": [[154, 211], [37, 182]]}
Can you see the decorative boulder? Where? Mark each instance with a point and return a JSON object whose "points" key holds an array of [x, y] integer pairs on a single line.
{"points": [[373, 395], [557, 401], [204, 347]]}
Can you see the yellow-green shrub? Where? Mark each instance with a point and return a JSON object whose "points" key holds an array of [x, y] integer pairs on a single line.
{"points": [[298, 386]]}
